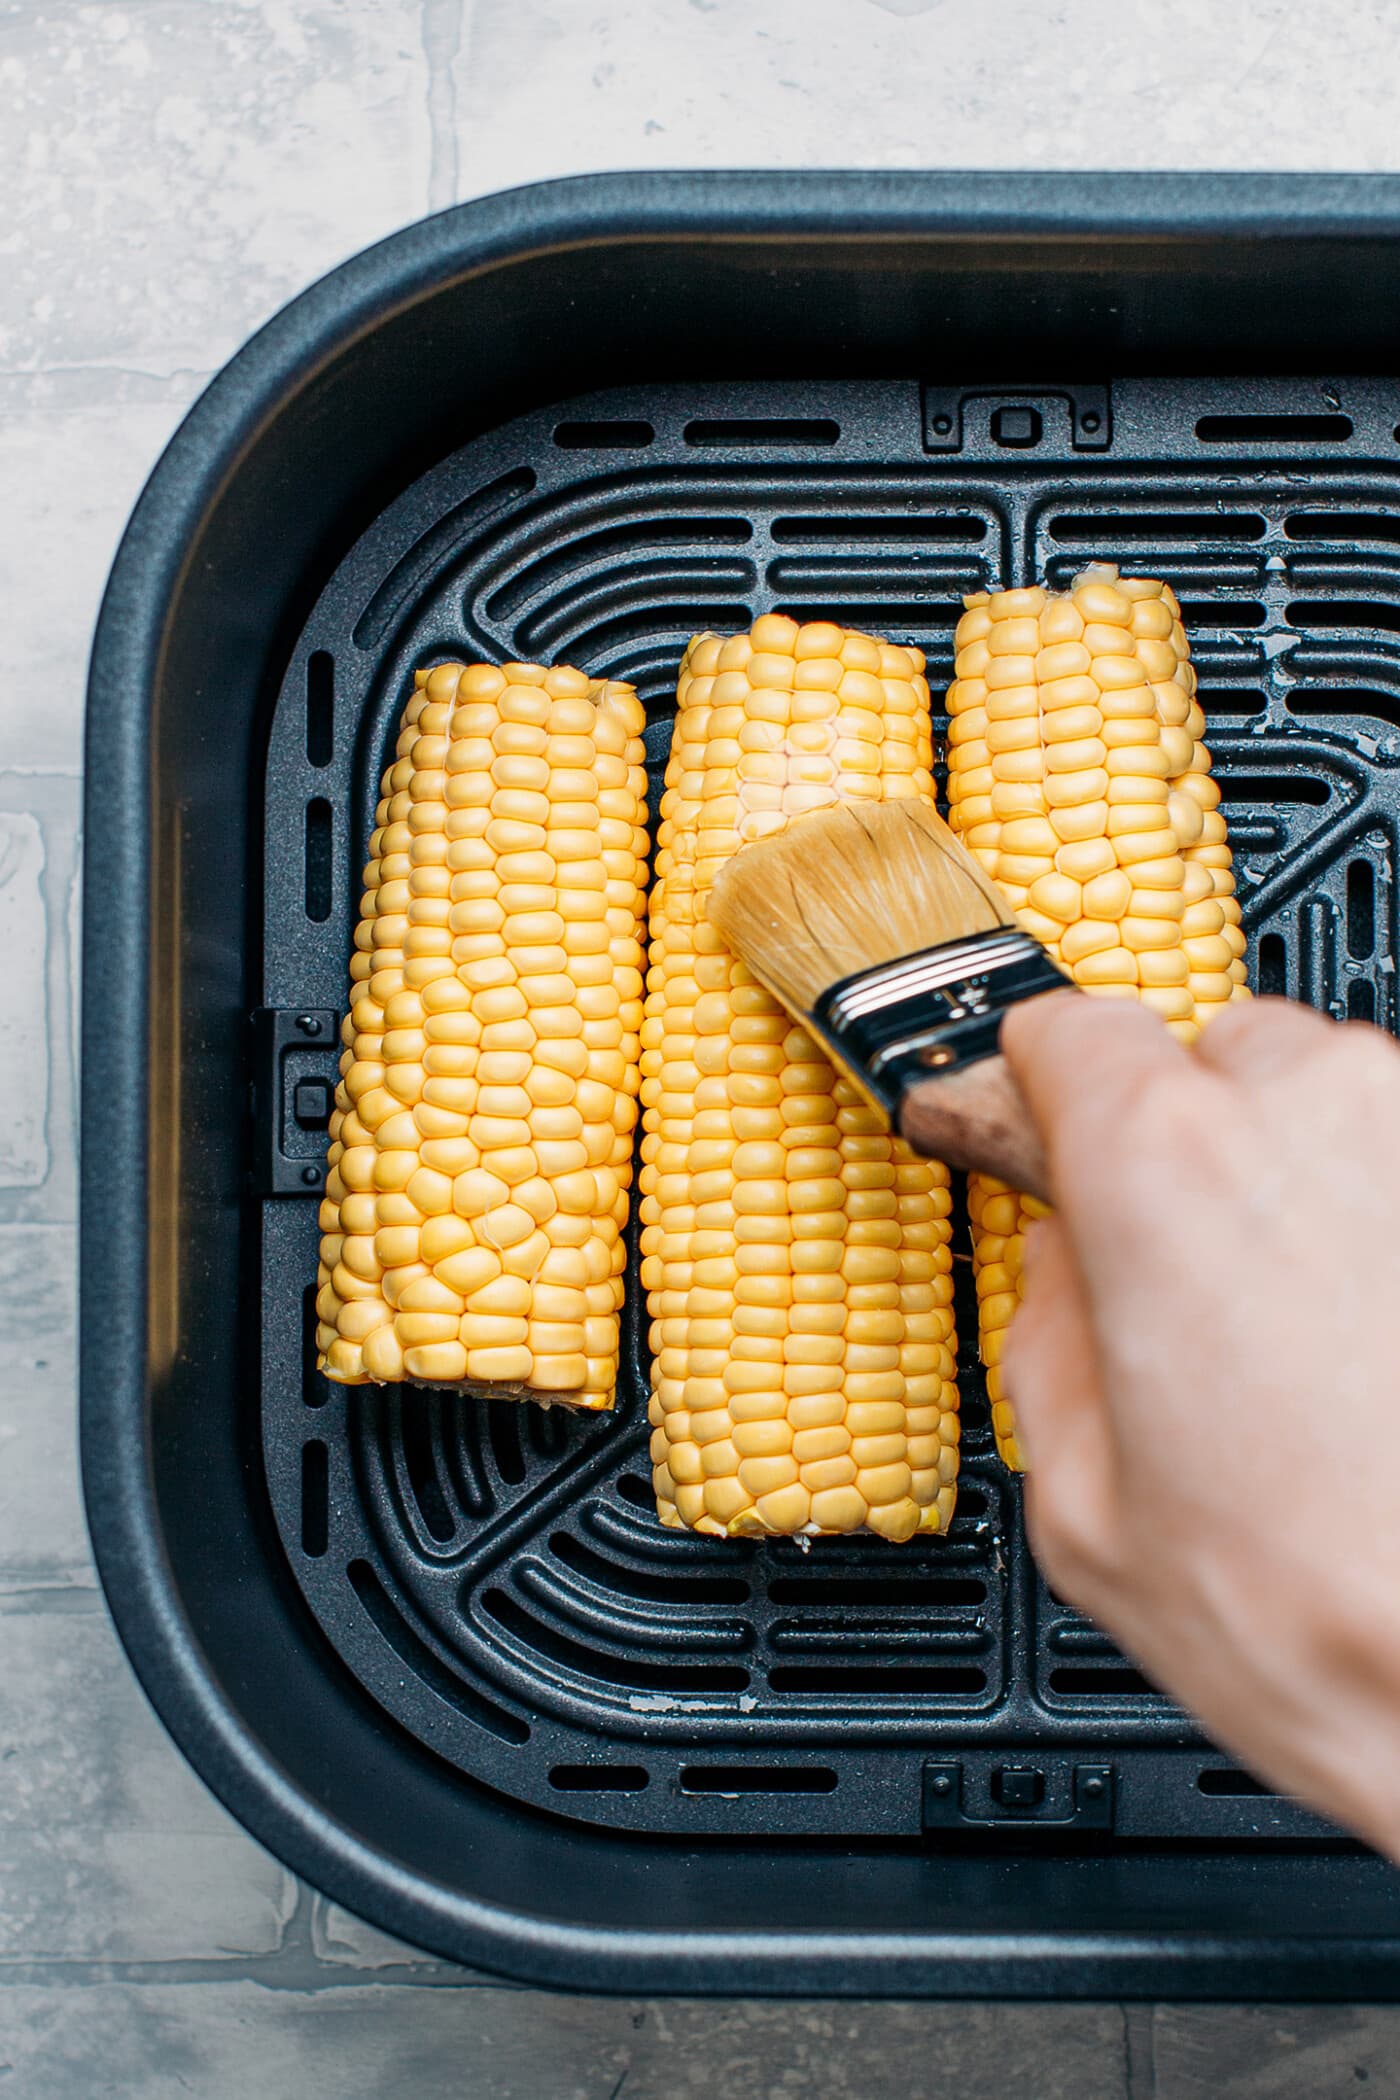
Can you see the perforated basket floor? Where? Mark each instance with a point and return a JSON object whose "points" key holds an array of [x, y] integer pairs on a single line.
{"points": [[494, 1575]]}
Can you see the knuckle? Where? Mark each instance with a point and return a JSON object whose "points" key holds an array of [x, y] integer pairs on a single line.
{"points": [[1068, 1548], [1267, 1036], [1371, 1058], [1244, 1018], [1075, 1519], [1156, 1113]]}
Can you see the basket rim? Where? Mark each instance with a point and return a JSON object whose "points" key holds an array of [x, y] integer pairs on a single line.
{"points": [[491, 233]]}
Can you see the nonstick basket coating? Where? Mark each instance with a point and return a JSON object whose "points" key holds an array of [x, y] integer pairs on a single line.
{"points": [[496, 1576], [439, 1655]]}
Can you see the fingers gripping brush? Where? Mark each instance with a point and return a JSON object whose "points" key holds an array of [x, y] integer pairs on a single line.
{"points": [[886, 940]]}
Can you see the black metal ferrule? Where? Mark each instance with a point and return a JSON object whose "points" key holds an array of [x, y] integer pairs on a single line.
{"points": [[930, 1013]]}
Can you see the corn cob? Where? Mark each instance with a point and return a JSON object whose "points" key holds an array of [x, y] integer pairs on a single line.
{"points": [[1079, 777], [481, 1144], [796, 1256]]}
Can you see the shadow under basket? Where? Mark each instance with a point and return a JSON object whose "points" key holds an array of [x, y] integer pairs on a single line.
{"points": [[439, 1655]]}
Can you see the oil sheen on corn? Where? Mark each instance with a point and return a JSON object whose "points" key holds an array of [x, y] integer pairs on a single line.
{"points": [[481, 1145], [1079, 776], [796, 1255]]}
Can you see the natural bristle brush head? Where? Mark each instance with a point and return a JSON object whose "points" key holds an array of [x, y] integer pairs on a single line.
{"points": [[875, 927], [848, 888]]}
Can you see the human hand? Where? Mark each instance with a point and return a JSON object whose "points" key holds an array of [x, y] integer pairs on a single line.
{"points": [[1206, 1374]]}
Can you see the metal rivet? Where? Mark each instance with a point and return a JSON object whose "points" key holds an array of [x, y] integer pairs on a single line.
{"points": [[311, 1176], [942, 424], [1093, 1788], [309, 1024], [1089, 422], [942, 1784]]}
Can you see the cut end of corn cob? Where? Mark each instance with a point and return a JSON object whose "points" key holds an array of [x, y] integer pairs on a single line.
{"points": [[481, 1144], [1080, 778], [796, 1255]]}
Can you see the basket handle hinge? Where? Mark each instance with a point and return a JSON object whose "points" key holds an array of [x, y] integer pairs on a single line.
{"points": [[1000, 1793], [294, 1067]]}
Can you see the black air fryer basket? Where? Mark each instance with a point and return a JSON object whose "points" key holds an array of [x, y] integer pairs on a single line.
{"points": [[439, 1655]]}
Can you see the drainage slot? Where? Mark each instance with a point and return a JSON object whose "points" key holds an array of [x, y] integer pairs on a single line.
{"points": [[503, 1429], [916, 616], [1343, 525], [1273, 965], [315, 1387], [319, 851], [602, 437], [624, 1580], [757, 1779], [655, 624], [640, 1494], [547, 1430], [1275, 787], [1235, 701], [1323, 703], [896, 526], [1225, 612], [320, 707], [420, 1662], [442, 543], [1361, 1000], [1111, 1682], [1113, 528], [1361, 909], [822, 1591], [764, 430], [549, 581], [1310, 613], [870, 1677], [1263, 430], [1229, 1782], [599, 1664], [315, 1498], [598, 1779], [416, 1438]]}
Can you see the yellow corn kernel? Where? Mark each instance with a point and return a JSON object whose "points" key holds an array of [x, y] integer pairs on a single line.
{"points": [[1105, 748], [489, 1095], [774, 1200]]}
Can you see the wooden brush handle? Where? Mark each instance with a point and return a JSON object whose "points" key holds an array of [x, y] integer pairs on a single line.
{"points": [[978, 1118]]}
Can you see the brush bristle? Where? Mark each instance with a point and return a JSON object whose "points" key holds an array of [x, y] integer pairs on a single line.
{"points": [[847, 888]]}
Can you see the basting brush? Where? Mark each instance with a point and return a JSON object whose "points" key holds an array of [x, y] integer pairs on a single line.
{"points": [[884, 938]]}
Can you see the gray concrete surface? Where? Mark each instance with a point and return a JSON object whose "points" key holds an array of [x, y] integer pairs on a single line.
{"points": [[171, 170]]}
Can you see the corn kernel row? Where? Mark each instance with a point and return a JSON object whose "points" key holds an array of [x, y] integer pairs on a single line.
{"points": [[481, 1144], [1079, 776], [795, 1255]]}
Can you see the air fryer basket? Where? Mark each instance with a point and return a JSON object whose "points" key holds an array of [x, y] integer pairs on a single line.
{"points": [[440, 1655]]}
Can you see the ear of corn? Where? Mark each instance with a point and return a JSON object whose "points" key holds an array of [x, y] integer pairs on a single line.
{"points": [[1079, 776], [481, 1143], [795, 1255]]}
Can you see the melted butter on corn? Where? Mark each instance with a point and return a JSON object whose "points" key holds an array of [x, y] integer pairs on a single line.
{"points": [[1079, 776], [481, 1144], [796, 1256]]}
